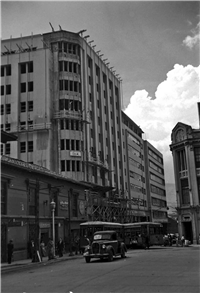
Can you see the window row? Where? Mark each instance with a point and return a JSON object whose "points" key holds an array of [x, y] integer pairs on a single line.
{"points": [[24, 87], [157, 190], [6, 70], [66, 66], [26, 146], [70, 165], [135, 152], [26, 67], [197, 156], [159, 202], [5, 148], [69, 85], [6, 109], [157, 179], [26, 106], [70, 105], [136, 176], [156, 167], [138, 201], [70, 124], [6, 89], [136, 164], [71, 144], [68, 48], [137, 188], [155, 156], [159, 215], [23, 124], [133, 139]]}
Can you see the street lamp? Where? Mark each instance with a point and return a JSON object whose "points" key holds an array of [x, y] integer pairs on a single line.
{"points": [[53, 207]]}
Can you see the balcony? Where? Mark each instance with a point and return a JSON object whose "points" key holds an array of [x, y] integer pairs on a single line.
{"points": [[34, 127], [67, 56], [96, 161], [76, 115]]}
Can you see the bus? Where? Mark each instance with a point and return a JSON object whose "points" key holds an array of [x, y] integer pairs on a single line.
{"points": [[88, 229], [134, 234]]}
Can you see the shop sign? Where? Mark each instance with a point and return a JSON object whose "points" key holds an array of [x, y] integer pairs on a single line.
{"points": [[75, 154], [44, 225], [186, 218], [63, 204]]}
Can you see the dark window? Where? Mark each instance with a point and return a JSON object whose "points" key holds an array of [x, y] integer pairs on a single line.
{"points": [[23, 68], [8, 70], [68, 165], [8, 89], [7, 149], [78, 166], [3, 197], [30, 66], [67, 144], [7, 126], [30, 124], [71, 85], [30, 86], [63, 166], [23, 106], [60, 66], [2, 70], [2, 109], [70, 66], [75, 205], [22, 147], [61, 85], [30, 106], [23, 87], [72, 146], [73, 165], [77, 145], [1, 149], [2, 90], [30, 146], [22, 125], [62, 144], [8, 108], [66, 85]]}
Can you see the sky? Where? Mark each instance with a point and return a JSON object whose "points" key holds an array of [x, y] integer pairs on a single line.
{"points": [[153, 46]]}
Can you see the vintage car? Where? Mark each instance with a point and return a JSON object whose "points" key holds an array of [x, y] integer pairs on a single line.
{"points": [[105, 244]]}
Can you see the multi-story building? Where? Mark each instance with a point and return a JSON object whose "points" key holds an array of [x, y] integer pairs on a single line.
{"points": [[185, 148], [64, 103], [134, 171], [155, 184]]}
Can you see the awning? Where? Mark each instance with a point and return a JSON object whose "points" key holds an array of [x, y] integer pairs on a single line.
{"points": [[5, 136]]}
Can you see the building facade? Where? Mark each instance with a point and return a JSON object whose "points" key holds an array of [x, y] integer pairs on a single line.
{"points": [[59, 97], [155, 184], [185, 148]]}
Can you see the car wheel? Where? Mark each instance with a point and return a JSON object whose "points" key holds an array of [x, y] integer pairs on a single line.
{"points": [[110, 257], [87, 259], [122, 253]]}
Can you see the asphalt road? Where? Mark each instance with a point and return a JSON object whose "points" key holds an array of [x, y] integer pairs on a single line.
{"points": [[169, 270]]}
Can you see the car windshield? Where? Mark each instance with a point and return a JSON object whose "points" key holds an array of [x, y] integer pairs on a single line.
{"points": [[102, 237]]}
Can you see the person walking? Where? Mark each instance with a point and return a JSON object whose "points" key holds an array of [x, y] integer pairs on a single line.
{"points": [[60, 247], [182, 240], [147, 244], [10, 248]]}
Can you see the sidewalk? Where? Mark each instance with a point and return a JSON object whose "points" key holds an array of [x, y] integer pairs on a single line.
{"points": [[27, 263]]}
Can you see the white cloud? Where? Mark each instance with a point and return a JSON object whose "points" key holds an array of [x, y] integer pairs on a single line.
{"points": [[194, 39], [176, 101]]}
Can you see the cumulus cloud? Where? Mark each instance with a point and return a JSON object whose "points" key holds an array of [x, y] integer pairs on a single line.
{"points": [[194, 39], [176, 101]]}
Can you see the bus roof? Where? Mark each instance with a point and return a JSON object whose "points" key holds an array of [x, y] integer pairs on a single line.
{"points": [[142, 224], [100, 223]]}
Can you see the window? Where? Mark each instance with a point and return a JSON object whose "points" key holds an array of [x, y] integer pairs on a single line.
{"points": [[23, 87], [67, 144], [8, 89], [68, 165], [23, 106], [157, 190], [75, 204], [22, 125], [63, 166], [23, 68], [157, 179], [62, 144], [8, 108], [73, 165], [197, 157], [78, 166], [2, 90], [2, 70], [1, 149], [30, 86], [7, 126], [7, 149], [30, 66], [22, 147], [3, 197], [30, 106], [2, 109], [30, 146], [32, 201], [30, 124], [8, 70]]}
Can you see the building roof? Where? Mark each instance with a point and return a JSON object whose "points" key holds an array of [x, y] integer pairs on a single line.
{"points": [[38, 169], [5, 136]]}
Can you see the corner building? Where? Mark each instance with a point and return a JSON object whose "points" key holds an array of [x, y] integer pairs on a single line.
{"points": [[185, 148], [64, 104]]}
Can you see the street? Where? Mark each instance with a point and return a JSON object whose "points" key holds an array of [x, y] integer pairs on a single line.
{"points": [[159, 269]]}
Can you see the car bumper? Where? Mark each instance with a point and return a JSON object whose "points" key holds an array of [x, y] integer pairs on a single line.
{"points": [[96, 255]]}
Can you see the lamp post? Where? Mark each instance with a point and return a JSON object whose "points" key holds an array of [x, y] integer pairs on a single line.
{"points": [[53, 206]]}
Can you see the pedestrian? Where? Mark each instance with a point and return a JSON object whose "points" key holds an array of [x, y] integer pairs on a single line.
{"points": [[42, 248], [182, 240], [199, 239], [50, 249], [147, 244], [60, 247], [10, 248], [177, 240], [76, 241]]}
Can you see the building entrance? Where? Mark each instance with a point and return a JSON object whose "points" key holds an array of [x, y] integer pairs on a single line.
{"points": [[188, 231]]}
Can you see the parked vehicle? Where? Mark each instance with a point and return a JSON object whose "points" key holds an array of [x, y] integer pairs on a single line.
{"points": [[105, 245]]}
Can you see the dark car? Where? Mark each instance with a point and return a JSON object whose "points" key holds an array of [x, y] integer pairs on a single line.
{"points": [[105, 244]]}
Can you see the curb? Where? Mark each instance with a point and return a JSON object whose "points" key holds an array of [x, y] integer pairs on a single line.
{"points": [[22, 267]]}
